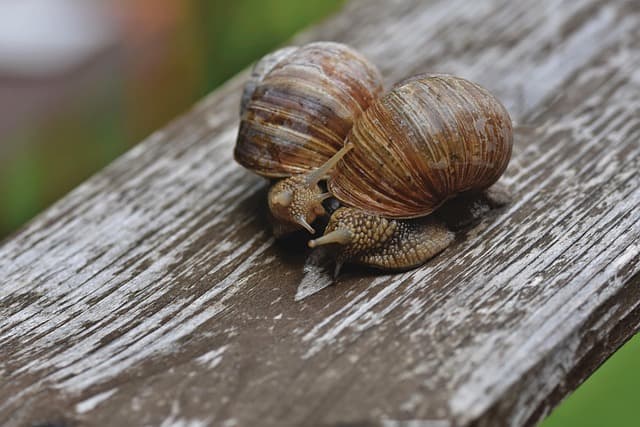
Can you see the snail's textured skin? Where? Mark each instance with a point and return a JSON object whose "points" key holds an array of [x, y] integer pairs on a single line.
{"points": [[428, 139], [304, 204], [387, 243], [300, 112]]}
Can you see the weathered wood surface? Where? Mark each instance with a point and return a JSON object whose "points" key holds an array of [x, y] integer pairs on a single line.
{"points": [[153, 294]]}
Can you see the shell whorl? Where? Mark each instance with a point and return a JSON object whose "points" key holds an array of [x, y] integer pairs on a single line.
{"points": [[428, 139], [300, 112], [260, 70]]}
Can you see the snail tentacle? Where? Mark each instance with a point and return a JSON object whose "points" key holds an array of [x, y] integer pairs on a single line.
{"points": [[315, 176], [303, 222], [340, 235]]}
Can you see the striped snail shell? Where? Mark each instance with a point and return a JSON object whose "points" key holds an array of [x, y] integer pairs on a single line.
{"points": [[424, 142], [260, 70], [299, 106], [427, 140]]}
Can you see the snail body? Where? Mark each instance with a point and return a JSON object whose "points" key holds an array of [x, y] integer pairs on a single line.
{"points": [[296, 110], [429, 139], [385, 243]]}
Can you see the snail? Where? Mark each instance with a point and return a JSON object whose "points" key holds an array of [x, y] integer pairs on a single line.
{"points": [[429, 139], [296, 111]]}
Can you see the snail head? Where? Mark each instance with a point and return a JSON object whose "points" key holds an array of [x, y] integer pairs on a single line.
{"points": [[358, 234], [297, 201], [296, 204]]}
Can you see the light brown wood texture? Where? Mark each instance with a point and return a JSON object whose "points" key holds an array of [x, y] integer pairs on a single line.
{"points": [[153, 294]]}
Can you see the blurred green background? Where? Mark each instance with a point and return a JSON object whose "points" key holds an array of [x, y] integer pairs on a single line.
{"points": [[158, 57]]}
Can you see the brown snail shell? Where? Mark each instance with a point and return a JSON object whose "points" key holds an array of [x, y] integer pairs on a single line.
{"points": [[260, 70], [303, 105], [428, 139]]}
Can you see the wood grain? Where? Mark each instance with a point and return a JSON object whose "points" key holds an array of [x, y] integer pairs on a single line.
{"points": [[153, 294]]}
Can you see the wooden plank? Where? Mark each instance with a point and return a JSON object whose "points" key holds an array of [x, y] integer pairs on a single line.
{"points": [[153, 294]]}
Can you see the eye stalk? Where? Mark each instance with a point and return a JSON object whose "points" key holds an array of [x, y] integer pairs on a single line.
{"points": [[296, 202], [340, 236]]}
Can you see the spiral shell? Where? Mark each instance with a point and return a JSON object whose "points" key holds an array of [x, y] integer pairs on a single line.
{"points": [[428, 139], [260, 70], [298, 115]]}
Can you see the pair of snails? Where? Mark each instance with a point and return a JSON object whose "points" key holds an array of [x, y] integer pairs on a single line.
{"points": [[316, 114]]}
